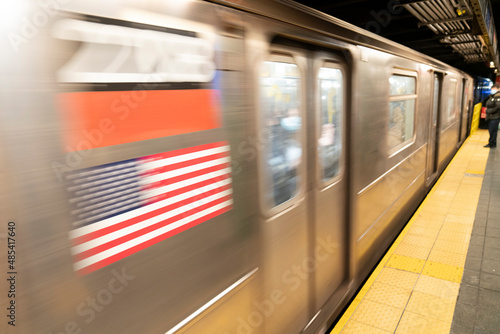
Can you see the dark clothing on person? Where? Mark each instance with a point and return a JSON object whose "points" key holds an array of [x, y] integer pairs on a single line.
{"points": [[493, 107], [493, 115], [493, 129]]}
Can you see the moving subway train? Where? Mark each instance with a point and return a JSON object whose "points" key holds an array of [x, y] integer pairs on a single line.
{"points": [[207, 166]]}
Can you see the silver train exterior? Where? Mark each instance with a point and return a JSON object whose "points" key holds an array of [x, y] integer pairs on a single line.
{"points": [[324, 137]]}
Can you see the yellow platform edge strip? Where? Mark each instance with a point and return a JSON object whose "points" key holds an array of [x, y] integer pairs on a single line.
{"points": [[369, 282]]}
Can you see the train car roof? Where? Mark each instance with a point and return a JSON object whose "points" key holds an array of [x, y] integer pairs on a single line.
{"points": [[293, 12]]}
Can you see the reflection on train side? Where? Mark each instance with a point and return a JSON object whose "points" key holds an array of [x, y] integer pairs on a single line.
{"points": [[401, 110], [330, 141], [281, 118]]}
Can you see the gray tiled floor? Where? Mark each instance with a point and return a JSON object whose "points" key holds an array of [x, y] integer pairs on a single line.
{"points": [[478, 305]]}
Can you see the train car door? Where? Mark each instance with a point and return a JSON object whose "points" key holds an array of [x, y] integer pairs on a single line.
{"points": [[281, 126], [461, 113], [464, 110], [327, 140], [302, 123], [433, 142]]}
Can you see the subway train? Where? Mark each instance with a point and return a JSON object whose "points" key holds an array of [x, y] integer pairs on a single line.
{"points": [[186, 166]]}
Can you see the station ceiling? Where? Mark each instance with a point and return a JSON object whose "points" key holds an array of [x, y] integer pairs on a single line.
{"points": [[454, 37]]}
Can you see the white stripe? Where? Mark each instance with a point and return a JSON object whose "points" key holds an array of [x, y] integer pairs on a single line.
{"points": [[143, 238], [183, 157], [151, 221], [145, 209], [182, 171], [212, 302]]}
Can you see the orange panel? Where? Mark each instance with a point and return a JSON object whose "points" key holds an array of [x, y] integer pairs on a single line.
{"points": [[99, 119]]}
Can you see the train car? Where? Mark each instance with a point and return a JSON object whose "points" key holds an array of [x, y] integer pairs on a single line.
{"points": [[207, 166]]}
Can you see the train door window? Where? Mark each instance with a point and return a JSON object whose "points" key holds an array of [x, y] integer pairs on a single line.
{"points": [[452, 97], [460, 96], [435, 100], [330, 105], [402, 102], [281, 124]]}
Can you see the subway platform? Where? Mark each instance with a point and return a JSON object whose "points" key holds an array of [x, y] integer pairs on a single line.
{"points": [[442, 274]]}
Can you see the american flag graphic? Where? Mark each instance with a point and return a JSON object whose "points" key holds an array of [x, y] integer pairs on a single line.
{"points": [[124, 207]]}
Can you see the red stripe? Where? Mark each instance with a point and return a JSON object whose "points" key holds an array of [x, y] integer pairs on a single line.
{"points": [[146, 244], [138, 219], [186, 176], [183, 164], [183, 151]]}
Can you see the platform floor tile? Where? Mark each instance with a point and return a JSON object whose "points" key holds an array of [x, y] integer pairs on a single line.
{"points": [[354, 327], [443, 271], [406, 263], [431, 306], [414, 323], [463, 238], [378, 315], [389, 295], [445, 257], [415, 287], [408, 250]]}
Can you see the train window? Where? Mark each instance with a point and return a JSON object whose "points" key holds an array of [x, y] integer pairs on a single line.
{"points": [[452, 96], [401, 110], [330, 89], [281, 121], [402, 85]]}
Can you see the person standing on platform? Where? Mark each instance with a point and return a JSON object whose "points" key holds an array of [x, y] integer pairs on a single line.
{"points": [[493, 115]]}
